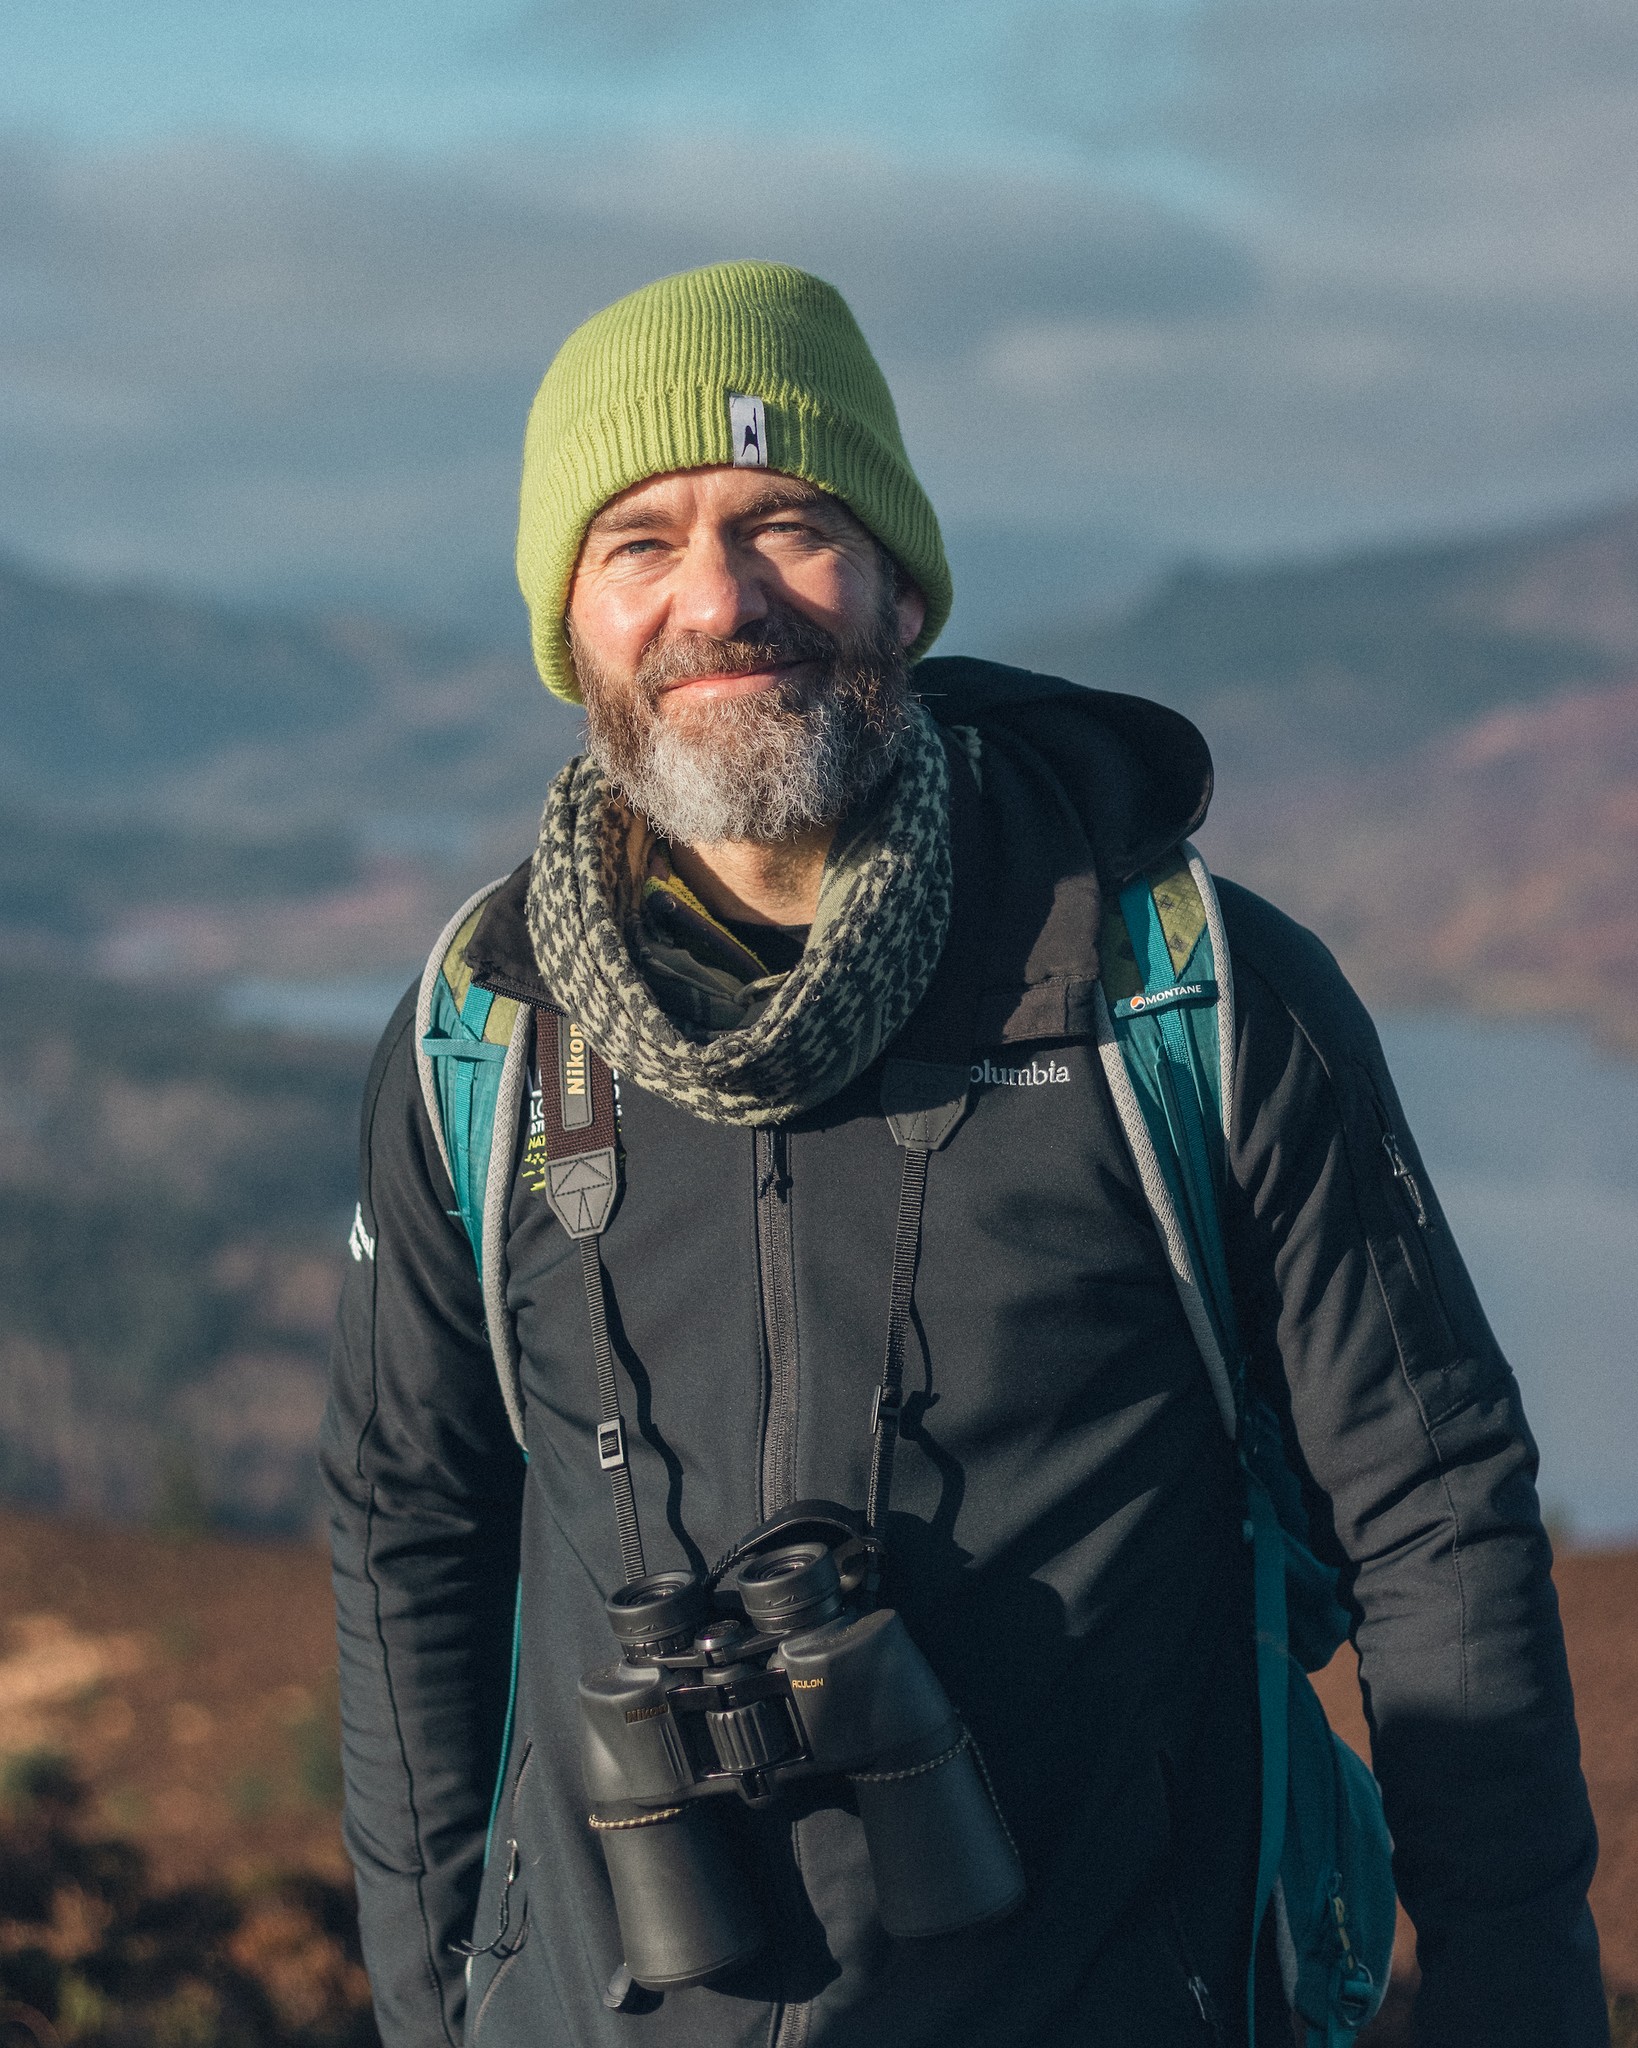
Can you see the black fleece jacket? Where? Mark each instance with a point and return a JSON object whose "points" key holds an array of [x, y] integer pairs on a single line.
{"points": [[1065, 1530]]}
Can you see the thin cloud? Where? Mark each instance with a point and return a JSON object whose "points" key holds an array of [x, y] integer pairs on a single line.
{"points": [[1390, 282], [225, 361]]}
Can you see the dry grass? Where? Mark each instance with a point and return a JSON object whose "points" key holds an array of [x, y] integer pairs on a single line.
{"points": [[182, 1691]]}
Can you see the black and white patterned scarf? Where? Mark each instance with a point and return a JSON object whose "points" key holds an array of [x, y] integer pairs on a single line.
{"points": [[884, 909]]}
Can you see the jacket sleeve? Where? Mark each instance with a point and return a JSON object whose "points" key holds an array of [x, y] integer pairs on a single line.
{"points": [[424, 1482], [1404, 1419]]}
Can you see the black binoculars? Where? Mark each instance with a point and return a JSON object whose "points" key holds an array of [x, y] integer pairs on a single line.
{"points": [[782, 1679]]}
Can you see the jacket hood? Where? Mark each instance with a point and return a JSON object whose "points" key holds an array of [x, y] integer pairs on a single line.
{"points": [[1137, 774]]}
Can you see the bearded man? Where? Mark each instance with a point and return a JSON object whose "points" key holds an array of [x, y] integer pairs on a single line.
{"points": [[841, 929]]}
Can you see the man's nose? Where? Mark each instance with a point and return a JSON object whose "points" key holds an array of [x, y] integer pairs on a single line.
{"points": [[717, 589]]}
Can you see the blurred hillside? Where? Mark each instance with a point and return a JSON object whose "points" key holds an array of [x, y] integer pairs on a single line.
{"points": [[138, 707], [191, 797], [1429, 754], [174, 1197], [1314, 665], [1492, 869]]}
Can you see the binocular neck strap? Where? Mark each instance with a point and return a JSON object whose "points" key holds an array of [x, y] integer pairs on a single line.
{"points": [[884, 1419], [579, 1178], [926, 1086]]}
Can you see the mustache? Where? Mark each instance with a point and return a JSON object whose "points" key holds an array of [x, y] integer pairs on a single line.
{"points": [[781, 638]]}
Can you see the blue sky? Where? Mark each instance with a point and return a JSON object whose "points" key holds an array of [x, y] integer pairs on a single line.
{"points": [[426, 78], [1223, 277]]}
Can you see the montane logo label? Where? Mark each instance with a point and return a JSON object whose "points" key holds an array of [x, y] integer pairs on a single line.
{"points": [[534, 1152], [1038, 1074], [1167, 998], [1185, 992]]}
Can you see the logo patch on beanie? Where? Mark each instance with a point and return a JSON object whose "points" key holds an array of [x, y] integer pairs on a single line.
{"points": [[748, 430]]}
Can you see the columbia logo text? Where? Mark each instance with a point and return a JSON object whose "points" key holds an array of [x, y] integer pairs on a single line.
{"points": [[1038, 1074]]}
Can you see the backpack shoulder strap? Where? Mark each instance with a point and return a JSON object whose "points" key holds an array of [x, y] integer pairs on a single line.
{"points": [[1162, 1034], [1166, 1036], [1165, 1011], [472, 1055]]}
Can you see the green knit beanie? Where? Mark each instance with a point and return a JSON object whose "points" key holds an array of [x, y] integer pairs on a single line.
{"points": [[752, 361]]}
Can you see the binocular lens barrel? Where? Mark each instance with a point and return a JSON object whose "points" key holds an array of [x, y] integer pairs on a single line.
{"points": [[685, 1911], [941, 1858]]}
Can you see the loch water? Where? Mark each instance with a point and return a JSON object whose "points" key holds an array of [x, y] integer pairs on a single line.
{"points": [[1530, 1135]]}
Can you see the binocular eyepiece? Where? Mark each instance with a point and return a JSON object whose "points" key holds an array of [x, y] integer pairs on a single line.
{"points": [[792, 1588], [657, 1616], [785, 1681]]}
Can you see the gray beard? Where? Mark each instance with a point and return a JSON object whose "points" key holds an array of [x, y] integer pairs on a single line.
{"points": [[764, 767]]}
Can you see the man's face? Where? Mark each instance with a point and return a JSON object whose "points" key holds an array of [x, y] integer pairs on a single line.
{"points": [[739, 644]]}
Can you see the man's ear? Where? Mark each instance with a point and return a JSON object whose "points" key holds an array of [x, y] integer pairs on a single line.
{"points": [[911, 608]]}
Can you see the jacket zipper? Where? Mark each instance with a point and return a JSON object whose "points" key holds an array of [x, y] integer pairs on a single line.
{"points": [[776, 1476], [1402, 1173], [1193, 1982], [1399, 1168], [1196, 1985], [776, 1273], [1411, 1200]]}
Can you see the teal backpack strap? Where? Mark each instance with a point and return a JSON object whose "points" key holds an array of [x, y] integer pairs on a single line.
{"points": [[1163, 1060], [1169, 1031], [467, 1067], [1166, 1040], [472, 1055]]}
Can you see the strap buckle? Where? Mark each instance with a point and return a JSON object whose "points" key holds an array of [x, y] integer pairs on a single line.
{"points": [[885, 1406], [611, 1445]]}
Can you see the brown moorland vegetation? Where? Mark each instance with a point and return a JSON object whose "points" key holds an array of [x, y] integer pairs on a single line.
{"points": [[1491, 870], [171, 1868]]}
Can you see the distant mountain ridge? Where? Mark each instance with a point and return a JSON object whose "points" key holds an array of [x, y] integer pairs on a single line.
{"points": [[95, 681], [145, 705], [1300, 665], [217, 792]]}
